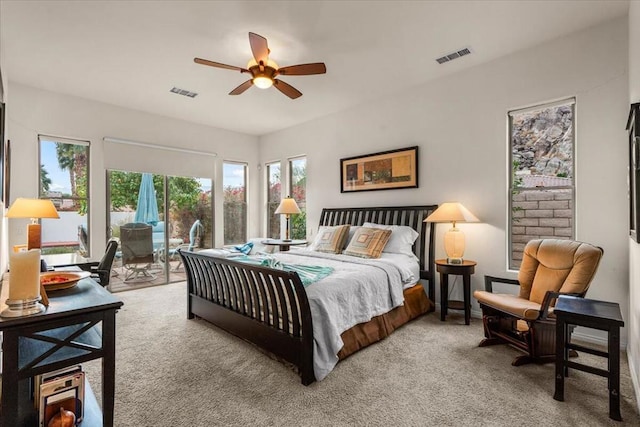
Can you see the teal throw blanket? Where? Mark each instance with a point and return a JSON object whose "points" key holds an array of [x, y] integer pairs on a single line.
{"points": [[308, 273]]}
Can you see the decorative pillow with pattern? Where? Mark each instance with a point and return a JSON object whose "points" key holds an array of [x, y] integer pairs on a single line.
{"points": [[401, 240], [368, 242], [331, 239]]}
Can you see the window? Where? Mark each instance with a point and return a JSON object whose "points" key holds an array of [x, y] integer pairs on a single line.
{"points": [[542, 188], [64, 179], [298, 190], [234, 183], [274, 195]]}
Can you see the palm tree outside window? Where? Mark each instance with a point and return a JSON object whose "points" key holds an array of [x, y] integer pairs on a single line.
{"points": [[64, 179]]}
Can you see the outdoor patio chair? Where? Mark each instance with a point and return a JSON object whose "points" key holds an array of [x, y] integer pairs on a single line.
{"points": [[136, 244], [196, 233]]}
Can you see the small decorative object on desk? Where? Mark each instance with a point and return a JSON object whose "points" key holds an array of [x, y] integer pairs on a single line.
{"points": [[55, 280], [63, 418], [24, 284]]}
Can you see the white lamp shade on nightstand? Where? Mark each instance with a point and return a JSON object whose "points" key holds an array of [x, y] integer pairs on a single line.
{"points": [[287, 207], [454, 240]]}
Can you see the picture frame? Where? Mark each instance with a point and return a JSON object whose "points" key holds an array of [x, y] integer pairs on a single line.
{"points": [[3, 161], [633, 127], [385, 170], [7, 173]]}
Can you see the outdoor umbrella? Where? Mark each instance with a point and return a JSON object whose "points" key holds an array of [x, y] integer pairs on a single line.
{"points": [[147, 210]]}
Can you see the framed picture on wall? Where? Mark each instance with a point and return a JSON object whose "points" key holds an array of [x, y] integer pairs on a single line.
{"points": [[633, 126], [3, 177], [7, 173], [385, 170]]}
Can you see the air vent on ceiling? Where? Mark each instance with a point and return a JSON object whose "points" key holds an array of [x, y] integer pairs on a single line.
{"points": [[184, 92], [453, 55]]}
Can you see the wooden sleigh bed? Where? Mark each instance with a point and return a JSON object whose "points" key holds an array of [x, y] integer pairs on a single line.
{"points": [[269, 307]]}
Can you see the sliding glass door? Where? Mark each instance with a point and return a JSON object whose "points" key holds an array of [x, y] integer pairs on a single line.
{"points": [[153, 216]]}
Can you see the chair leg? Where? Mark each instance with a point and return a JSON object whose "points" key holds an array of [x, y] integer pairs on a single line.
{"points": [[490, 341]]}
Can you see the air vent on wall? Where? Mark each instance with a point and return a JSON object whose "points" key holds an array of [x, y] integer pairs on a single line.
{"points": [[453, 55], [184, 92]]}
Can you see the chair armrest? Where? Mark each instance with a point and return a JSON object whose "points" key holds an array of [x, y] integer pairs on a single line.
{"points": [[488, 282], [549, 297]]}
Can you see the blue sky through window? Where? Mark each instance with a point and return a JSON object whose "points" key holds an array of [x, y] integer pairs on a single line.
{"points": [[59, 179]]}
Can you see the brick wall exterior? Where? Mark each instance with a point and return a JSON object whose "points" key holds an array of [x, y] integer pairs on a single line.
{"points": [[539, 214]]}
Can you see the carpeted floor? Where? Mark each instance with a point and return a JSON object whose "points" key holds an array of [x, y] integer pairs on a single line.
{"points": [[171, 371]]}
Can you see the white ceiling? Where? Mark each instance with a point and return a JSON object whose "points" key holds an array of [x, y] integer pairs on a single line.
{"points": [[131, 54]]}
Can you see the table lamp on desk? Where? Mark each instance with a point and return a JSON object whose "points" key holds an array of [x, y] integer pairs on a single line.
{"points": [[25, 290]]}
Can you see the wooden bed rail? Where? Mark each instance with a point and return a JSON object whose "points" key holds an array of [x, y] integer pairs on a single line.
{"points": [[264, 306]]}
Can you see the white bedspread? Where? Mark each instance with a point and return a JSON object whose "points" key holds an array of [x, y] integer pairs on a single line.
{"points": [[358, 290]]}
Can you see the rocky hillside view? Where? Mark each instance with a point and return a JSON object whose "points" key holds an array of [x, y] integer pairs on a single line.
{"points": [[542, 142]]}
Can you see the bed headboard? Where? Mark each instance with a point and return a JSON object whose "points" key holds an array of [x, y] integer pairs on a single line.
{"points": [[412, 216]]}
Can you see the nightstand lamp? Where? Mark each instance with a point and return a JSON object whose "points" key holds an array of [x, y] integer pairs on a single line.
{"points": [[454, 243], [288, 207]]}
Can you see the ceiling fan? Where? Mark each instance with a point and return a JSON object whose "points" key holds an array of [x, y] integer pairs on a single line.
{"points": [[264, 71]]}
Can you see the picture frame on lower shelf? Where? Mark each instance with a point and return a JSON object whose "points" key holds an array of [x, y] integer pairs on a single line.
{"points": [[66, 392]]}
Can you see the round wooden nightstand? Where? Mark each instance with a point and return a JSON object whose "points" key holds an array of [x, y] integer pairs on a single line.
{"points": [[466, 269], [284, 245]]}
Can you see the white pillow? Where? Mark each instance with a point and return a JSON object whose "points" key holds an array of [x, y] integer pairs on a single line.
{"points": [[401, 241]]}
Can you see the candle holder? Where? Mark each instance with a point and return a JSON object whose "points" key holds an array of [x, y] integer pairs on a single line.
{"points": [[22, 307]]}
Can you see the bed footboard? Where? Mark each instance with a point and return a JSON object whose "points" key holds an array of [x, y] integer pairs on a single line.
{"points": [[266, 307]]}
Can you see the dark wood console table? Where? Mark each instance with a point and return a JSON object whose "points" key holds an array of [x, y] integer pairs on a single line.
{"points": [[67, 333]]}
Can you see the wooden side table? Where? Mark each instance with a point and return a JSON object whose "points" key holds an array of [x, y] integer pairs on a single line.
{"points": [[601, 315], [284, 245], [466, 269]]}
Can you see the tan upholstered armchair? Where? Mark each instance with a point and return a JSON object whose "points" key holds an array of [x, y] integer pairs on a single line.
{"points": [[549, 268]]}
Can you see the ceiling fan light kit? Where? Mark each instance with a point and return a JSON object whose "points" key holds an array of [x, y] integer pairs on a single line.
{"points": [[264, 71]]}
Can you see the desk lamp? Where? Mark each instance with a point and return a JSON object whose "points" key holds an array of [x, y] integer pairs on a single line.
{"points": [[287, 207], [454, 243], [25, 289], [34, 209]]}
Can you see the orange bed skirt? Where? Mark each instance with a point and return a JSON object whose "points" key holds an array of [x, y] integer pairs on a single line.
{"points": [[362, 335]]}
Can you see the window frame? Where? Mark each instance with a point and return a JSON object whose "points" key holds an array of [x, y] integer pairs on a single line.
{"points": [[275, 218], [78, 142], [512, 188], [246, 198], [290, 161]]}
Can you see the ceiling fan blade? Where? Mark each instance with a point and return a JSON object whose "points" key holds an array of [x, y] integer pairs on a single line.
{"points": [[259, 47], [287, 89], [303, 69], [244, 86], [219, 65]]}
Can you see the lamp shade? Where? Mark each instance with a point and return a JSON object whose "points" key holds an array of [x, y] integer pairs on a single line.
{"points": [[454, 241], [451, 212], [288, 206], [32, 208]]}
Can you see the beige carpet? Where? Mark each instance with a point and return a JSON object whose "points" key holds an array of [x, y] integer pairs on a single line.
{"points": [[177, 372]]}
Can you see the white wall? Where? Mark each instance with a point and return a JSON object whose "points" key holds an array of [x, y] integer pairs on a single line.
{"points": [[460, 124], [33, 111], [633, 348]]}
